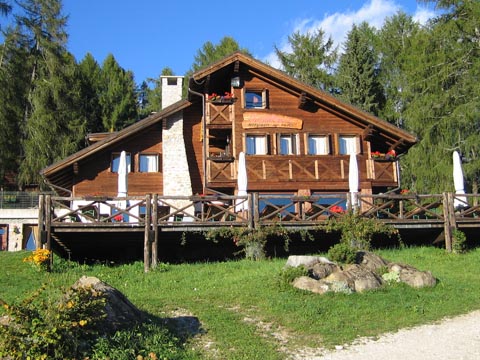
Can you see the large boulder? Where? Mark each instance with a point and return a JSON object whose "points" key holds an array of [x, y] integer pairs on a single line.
{"points": [[412, 276], [306, 261], [120, 312], [370, 260], [309, 284], [357, 277], [321, 270]]}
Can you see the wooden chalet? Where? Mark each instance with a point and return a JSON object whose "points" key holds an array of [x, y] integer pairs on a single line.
{"points": [[296, 140]]}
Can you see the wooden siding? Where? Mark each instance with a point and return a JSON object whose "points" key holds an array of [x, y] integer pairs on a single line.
{"points": [[95, 178], [293, 172]]}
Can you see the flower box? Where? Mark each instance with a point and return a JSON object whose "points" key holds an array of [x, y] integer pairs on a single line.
{"points": [[384, 157], [227, 98]]}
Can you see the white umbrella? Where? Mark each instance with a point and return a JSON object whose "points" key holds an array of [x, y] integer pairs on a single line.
{"points": [[242, 182], [122, 180], [459, 201], [353, 178]]}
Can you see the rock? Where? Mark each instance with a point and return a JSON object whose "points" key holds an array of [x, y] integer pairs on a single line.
{"points": [[119, 310], [370, 260], [307, 261], [412, 276], [309, 284], [320, 270], [358, 278]]}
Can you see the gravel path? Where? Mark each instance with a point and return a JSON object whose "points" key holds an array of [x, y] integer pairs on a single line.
{"points": [[456, 339]]}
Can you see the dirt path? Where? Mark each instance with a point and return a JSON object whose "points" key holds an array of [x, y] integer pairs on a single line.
{"points": [[452, 339]]}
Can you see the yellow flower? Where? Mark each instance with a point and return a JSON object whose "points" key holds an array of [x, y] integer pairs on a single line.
{"points": [[70, 304], [82, 322]]}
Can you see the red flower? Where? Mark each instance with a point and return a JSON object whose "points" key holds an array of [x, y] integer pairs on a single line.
{"points": [[118, 217], [337, 209]]}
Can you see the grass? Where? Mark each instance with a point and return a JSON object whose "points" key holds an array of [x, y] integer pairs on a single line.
{"points": [[241, 307]]}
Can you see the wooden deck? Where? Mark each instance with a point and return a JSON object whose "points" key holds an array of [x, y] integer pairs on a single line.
{"points": [[151, 215]]}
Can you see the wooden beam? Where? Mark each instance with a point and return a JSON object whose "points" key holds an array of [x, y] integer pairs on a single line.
{"points": [[236, 66], [368, 132], [302, 100], [396, 144]]}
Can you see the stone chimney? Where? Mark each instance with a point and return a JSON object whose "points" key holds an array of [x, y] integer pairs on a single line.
{"points": [[176, 174], [171, 89]]}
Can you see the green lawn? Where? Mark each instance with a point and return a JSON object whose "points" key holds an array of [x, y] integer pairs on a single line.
{"points": [[240, 305]]}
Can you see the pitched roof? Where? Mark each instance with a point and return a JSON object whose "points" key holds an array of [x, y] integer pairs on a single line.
{"points": [[321, 97], [114, 138]]}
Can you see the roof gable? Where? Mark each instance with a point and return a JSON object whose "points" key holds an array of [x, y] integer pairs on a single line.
{"points": [[230, 65]]}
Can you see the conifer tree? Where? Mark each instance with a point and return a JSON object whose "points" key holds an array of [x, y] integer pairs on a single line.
{"points": [[117, 96], [311, 60], [358, 72]]}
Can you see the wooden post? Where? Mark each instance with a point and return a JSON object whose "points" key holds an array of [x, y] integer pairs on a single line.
{"points": [[450, 223], [41, 221], [155, 231], [48, 224], [146, 241], [255, 210]]}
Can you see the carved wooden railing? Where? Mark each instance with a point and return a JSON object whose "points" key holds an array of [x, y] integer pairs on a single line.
{"points": [[261, 168]]}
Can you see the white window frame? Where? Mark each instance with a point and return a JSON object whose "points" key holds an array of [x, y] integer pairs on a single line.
{"points": [[152, 162], [291, 142], [348, 144], [261, 93], [115, 162], [318, 144], [256, 144]]}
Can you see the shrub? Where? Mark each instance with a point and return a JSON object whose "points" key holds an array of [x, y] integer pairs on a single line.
{"points": [[41, 328], [147, 341], [40, 259], [251, 241], [357, 231], [342, 253], [288, 274], [459, 241]]}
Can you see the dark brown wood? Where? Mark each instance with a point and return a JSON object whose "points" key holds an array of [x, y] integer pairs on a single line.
{"points": [[302, 100], [154, 245], [48, 229], [41, 220], [147, 245]]}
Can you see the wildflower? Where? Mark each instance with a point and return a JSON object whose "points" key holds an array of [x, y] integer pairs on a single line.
{"points": [[82, 322]]}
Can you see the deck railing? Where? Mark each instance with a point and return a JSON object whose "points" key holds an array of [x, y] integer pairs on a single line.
{"points": [[260, 209]]}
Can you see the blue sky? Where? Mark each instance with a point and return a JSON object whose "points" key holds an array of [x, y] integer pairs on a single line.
{"points": [[147, 35]]}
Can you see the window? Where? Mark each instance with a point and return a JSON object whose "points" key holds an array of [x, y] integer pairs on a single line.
{"points": [[288, 144], [347, 144], [116, 162], [255, 99], [318, 145], [148, 163], [256, 144]]}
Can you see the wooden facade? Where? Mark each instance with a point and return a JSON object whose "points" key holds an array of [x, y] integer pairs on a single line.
{"points": [[283, 119]]}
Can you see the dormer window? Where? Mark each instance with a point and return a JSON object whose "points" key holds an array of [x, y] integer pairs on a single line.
{"points": [[255, 99]]}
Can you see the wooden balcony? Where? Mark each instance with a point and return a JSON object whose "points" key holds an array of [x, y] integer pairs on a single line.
{"points": [[307, 169]]}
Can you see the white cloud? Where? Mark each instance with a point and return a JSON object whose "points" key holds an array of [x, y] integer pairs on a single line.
{"points": [[337, 25]]}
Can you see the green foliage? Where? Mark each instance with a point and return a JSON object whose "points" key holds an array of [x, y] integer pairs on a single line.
{"points": [[117, 98], [357, 74], [357, 231], [252, 241], [39, 328], [459, 242], [342, 253], [146, 341], [288, 274], [311, 60]]}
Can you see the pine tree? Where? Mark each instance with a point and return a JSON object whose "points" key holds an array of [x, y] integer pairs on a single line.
{"points": [[311, 60], [90, 73], [358, 72], [52, 127], [117, 97]]}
